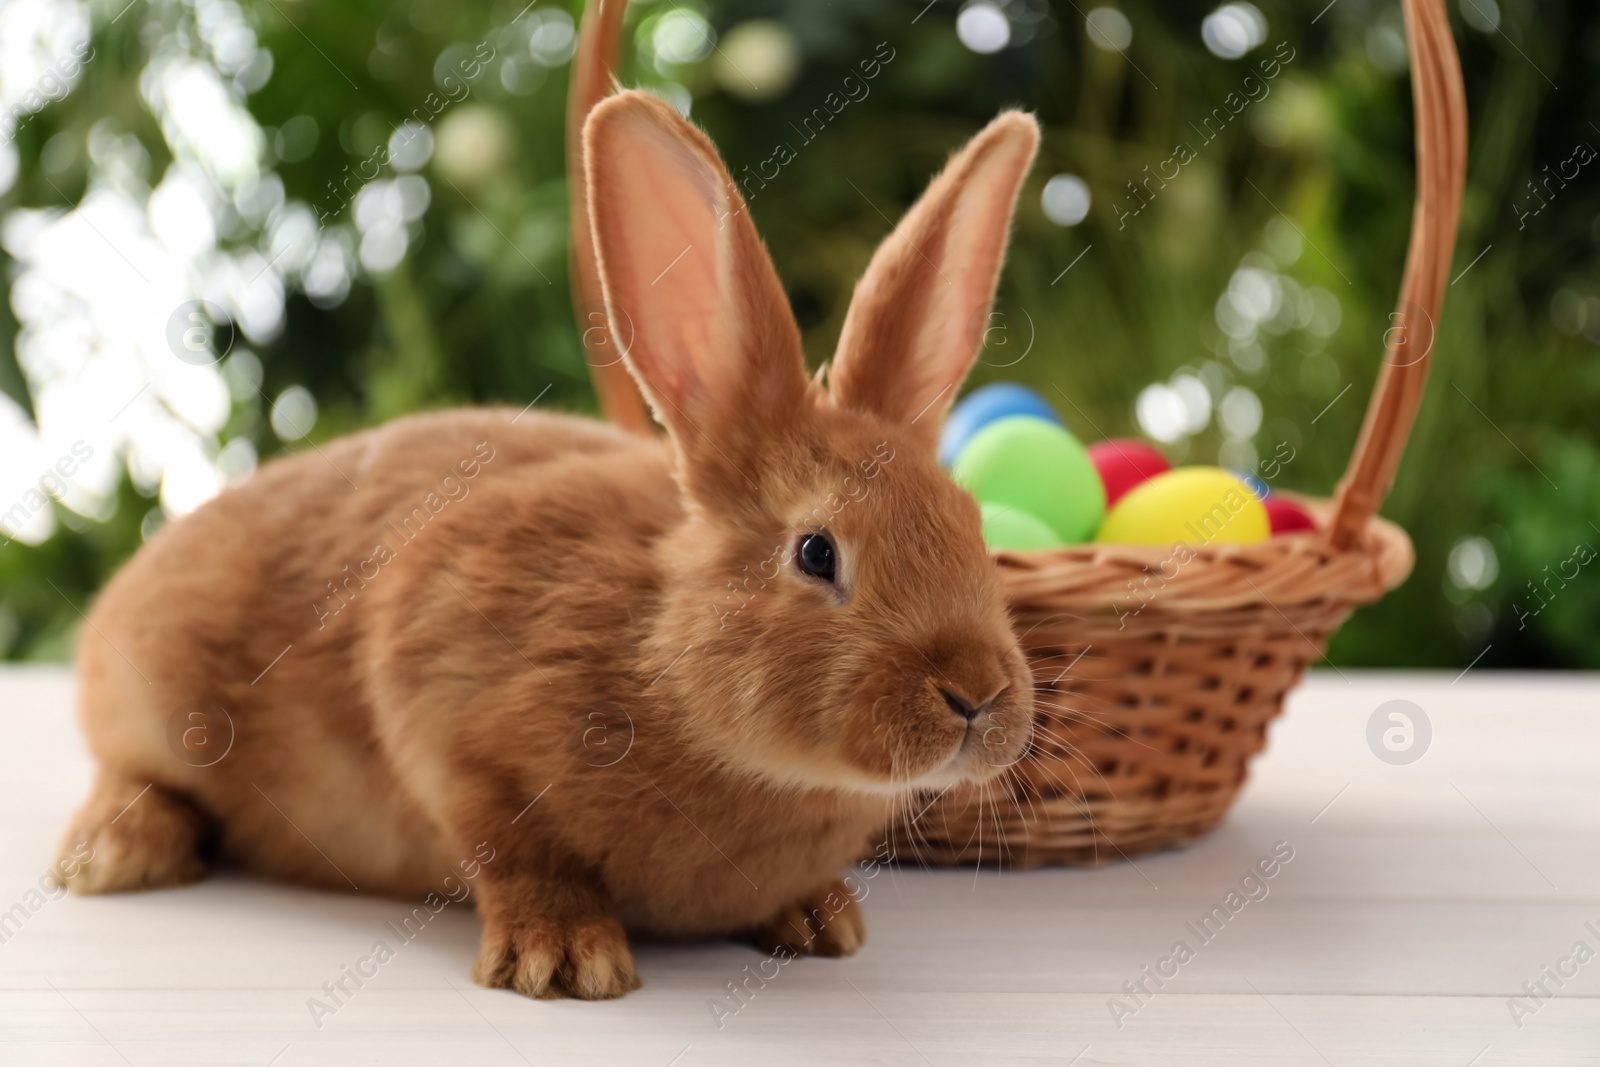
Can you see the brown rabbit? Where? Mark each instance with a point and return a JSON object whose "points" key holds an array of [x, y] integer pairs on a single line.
{"points": [[674, 686]]}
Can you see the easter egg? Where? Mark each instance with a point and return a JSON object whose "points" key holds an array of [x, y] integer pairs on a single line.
{"points": [[1190, 505], [1256, 486], [1036, 467], [1286, 516], [986, 404], [1006, 527], [1124, 463]]}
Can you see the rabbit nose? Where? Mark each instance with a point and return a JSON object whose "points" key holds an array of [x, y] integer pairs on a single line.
{"points": [[961, 706]]}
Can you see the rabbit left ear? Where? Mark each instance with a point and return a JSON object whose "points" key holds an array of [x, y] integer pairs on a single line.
{"points": [[692, 295], [920, 312]]}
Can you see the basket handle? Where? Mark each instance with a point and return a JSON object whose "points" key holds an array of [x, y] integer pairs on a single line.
{"points": [[1439, 102], [593, 68], [1440, 106]]}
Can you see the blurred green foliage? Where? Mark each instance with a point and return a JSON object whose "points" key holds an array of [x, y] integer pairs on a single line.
{"points": [[1505, 458]]}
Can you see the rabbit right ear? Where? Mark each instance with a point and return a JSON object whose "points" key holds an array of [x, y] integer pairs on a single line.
{"points": [[690, 290], [919, 312]]}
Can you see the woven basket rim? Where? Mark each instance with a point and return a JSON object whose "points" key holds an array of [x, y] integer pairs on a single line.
{"points": [[1281, 572]]}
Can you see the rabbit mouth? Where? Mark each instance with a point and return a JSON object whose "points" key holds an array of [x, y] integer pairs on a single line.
{"points": [[968, 723], [988, 750], [985, 751]]}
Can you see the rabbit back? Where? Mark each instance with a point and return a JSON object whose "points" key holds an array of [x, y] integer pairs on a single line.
{"points": [[233, 658]]}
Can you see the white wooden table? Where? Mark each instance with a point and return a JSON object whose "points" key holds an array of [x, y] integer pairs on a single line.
{"points": [[1419, 900]]}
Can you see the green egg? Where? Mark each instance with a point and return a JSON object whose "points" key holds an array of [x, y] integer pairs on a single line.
{"points": [[1039, 469], [1006, 527]]}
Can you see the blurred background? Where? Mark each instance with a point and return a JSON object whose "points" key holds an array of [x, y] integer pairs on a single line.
{"points": [[232, 229]]}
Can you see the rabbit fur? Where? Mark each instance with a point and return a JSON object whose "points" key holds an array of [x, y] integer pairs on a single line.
{"points": [[581, 667]]}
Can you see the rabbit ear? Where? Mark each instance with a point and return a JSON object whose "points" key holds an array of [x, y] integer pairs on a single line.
{"points": [[693, 299], [920, 311]]}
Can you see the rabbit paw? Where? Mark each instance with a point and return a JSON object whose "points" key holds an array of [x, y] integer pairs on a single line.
{"points": [[587, 958], [128, 836], [826, 922]]}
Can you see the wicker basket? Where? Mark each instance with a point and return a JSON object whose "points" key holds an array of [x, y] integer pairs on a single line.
{"points": [[1149, 712], [1158, 669]]}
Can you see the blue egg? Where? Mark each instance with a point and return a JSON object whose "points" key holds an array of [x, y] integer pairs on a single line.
{"points": [[984, 405], [1258, 488]]}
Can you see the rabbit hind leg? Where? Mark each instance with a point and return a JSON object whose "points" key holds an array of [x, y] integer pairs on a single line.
{"points": [[128, 835]]}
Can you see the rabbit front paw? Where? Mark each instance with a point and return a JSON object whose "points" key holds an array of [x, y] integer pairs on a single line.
{"points": [[585, 957], [826, 922]]}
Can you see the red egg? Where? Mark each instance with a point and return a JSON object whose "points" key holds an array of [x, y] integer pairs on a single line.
{"points": [[1123, 463], [1286, 516]]}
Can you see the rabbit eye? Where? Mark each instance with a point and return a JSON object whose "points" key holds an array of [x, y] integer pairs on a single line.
{"points": [[816, 556]]}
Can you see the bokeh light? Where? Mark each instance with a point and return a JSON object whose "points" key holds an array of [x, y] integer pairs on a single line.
{"points": [[1233, 29], [983, 27], [758, 61], [1065, 199], [1109, 29]]}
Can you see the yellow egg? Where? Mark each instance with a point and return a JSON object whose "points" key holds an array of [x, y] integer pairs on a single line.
{"points": [[1190, 505]]}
